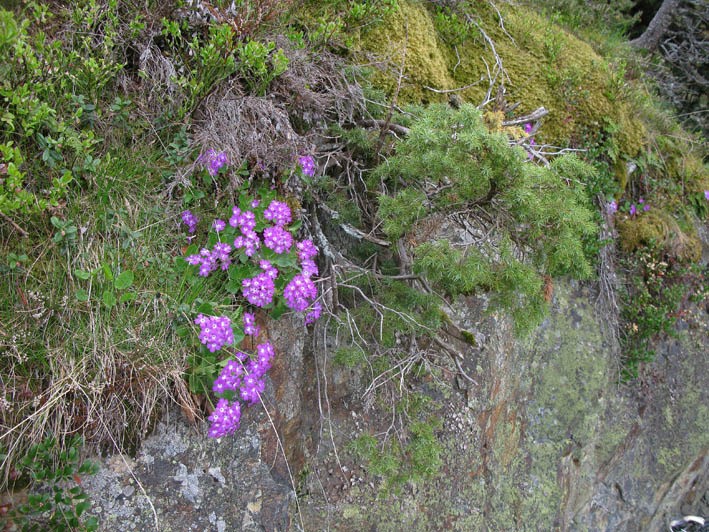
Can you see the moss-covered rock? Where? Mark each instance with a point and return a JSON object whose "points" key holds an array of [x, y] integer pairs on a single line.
{"points": [[543, 66], [657, 228]]}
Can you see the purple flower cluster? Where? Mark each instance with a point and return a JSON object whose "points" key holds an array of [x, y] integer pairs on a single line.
{"points": [[213, 161], [243, 375], [208, 260], [250, 327], [299, 293], [248, 378], [225, 418], [640, 207], [277, 239], [215, 331], [259, 290], [314, 314], [229, 377], [307, 165], [278, 213], [190, 220]]}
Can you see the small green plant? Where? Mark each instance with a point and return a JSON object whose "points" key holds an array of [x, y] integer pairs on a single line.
{"points": [[260, 63], [415, 460], [57, 500], [66, 233], [658, 292]]}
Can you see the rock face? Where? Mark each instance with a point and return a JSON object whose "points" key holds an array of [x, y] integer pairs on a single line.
{"points": [[547, 440]]}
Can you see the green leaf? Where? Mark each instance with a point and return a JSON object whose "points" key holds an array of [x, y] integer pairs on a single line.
{"points": [[81, 274], [82, 507], [82, 295], [127, 297], [109, 299], [206, 308], [107, 272], [233, 286], [124, 280], [91, 524], [278, 310]]}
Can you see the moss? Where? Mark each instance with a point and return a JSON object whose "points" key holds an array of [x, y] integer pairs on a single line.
{"points": [[409, 35], [545, 66], [658, 228]]}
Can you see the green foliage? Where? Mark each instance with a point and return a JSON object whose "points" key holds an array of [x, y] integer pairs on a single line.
{"points": [[399, 213], [415, 460], [450, 163], [349, 356], [57, 501], [594, 19], [655, 298], [260, 63], [334, 22], [48, 102], [202, 60]]}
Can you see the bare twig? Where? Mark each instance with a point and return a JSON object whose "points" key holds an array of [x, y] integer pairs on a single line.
{"points": [[13, 224], [458, 89], [531, 117]]}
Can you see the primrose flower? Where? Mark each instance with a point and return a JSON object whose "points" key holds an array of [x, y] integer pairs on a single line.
{"points": [[216, 331], [299, 292], [646, 207], [706, 195], [219, 225], [190, 220], [307, 165], [278, 212], [225, 418], [213, 161], [314, 313], [258, 290], [633, 210], [528, 128], [277, 239], [250, 327]]}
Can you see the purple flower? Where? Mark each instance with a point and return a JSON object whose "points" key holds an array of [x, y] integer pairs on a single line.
{"points": [[213, 161], [235, 213], [299, 292], [307, 165], [249, 241], [528, 128], [229, 377], [225, 418], [612, 207], [255, 203], [258, 290], [706, 195], [251, 387], [306, 249], [277, 239], [641, 201], [219, 225], [308, 268], [247, 221], [190, 220], [633, 210], [215, 332], [314, 313], [646, 208], [250, 327], [278, 212]]}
